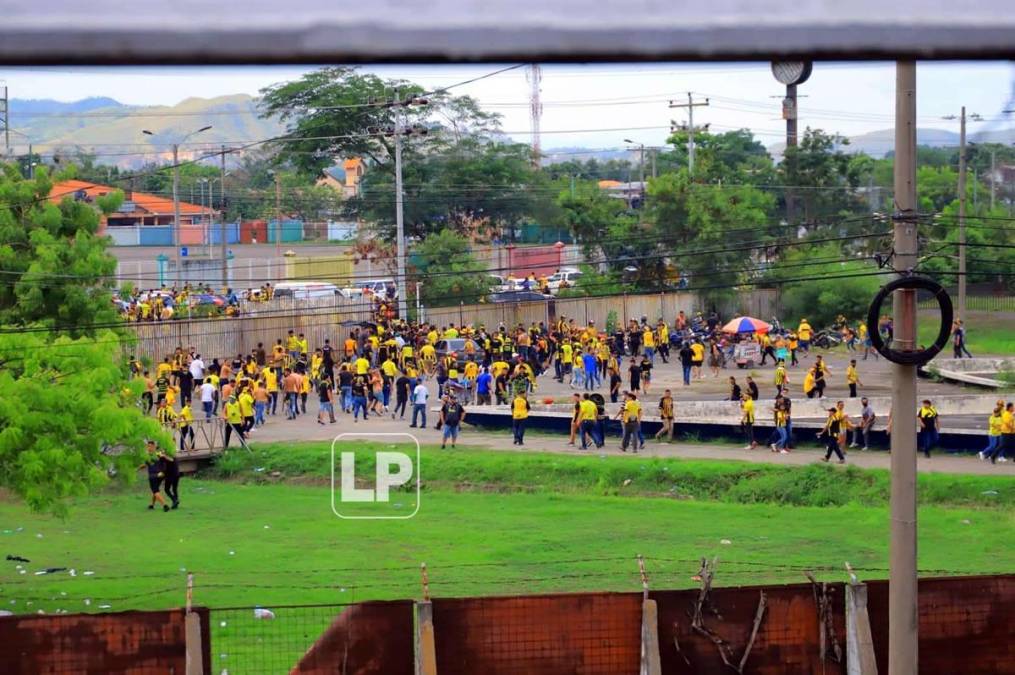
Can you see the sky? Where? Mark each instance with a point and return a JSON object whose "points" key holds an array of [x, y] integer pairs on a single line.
{"points": [[600, 105]]}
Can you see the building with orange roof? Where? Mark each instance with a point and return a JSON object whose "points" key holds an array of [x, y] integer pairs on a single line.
{"points": [[139, 210], [344, 178]]}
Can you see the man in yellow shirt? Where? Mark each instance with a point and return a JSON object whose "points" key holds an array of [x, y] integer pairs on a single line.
{"points": [[233, 421], [697, 358], [631, 416], [852, 378], [648, 341], [804, 333], [246, 401], [519, 413], [747, 420], [185, 420], [362, 366], [587, 422], [1006, 428]]}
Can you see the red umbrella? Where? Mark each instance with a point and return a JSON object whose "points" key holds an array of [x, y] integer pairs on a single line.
{"points": [[746, 324]]}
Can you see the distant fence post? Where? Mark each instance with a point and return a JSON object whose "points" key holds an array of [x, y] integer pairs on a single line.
{"points": [[859, 643], [650, 660], [426, 651]]}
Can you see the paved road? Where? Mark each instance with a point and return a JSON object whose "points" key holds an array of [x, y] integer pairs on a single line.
{"points": [[305, 428]]}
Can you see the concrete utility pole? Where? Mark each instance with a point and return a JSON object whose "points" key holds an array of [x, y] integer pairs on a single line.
{"points": [[278, 217], [5, 119], [993, 182], [400, 220], [690, 105], [902, 598], [535, 78], [962, 214], [222, 216]]}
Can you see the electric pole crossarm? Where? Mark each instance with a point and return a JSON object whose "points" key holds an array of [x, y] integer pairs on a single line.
{"points": [[690, 105]]}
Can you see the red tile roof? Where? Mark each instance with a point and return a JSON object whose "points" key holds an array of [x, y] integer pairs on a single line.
{"points": [[151, 204]]}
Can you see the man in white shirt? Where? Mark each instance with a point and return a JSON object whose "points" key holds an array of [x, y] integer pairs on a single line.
{"points": [[197, 370], [208, 399], [419, 396]]}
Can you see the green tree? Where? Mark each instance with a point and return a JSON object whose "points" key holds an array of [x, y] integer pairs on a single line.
{"points": [[67, 411], [473, 187], [825, 177], [448, 272], [820, 282], [588, 213], [339, 112]]}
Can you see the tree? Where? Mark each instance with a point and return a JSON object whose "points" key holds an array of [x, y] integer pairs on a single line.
{"points": [[67, 411], [448, 272], [819, 282], [340, 112], [821, 171], [67, 417], [588, 213], [56, 271], [474, 187], [730, 157]]}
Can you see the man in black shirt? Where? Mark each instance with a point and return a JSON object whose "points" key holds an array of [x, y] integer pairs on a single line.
{"points": [[752, 388], [452, 415], [172, 471], [156, 472], [259, 355], [345, 385], [735, 393], [401, 397], [326, 399], [635, 372], [161, 387], [686, 362]]}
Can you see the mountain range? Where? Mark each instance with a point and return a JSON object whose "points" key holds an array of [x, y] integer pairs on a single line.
{"points": [[114, 131]]}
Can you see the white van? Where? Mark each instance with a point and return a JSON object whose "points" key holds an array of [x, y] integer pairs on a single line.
{"points": [[306, 290], [566, 277]]}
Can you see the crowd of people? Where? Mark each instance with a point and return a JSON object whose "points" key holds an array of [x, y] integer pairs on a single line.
{"points": [[382, 368]]}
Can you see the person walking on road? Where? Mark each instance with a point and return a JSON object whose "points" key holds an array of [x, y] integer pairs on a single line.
{"points": [[994, 438], [930, 425], [862, 430], [419, 397], [686, 355], [156, 473], [666, 415], [852, 378], [631, 417], [829, 434], [452, 416], [747, 420], [519, 413], [587, 412]]}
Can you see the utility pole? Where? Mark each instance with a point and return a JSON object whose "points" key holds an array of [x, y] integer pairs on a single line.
{"points": [[400, 252], [962, 214], [177, 258], [993, 170], [535, 77], [176, 197], [690, 105], [278, 222], [400, 219], [222, 243], [903, 646]]}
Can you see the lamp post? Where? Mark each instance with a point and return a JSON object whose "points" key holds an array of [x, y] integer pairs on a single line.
{"points": [[176, 197], [641, 166], [31, 164]]}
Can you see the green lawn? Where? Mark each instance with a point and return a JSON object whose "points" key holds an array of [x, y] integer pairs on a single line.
{"points": [[987, 333], [524, 523]]}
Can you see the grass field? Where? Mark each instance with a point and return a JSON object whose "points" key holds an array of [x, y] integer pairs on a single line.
{"points": [[988, 333], [489, 523]]}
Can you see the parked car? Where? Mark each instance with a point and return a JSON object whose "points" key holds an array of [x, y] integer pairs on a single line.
{"points": [[518, 296], [566, 278], [306, 290], [457, 346]]}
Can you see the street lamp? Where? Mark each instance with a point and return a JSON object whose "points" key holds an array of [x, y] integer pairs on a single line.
{"points": [[176, 196], [641, 166]]}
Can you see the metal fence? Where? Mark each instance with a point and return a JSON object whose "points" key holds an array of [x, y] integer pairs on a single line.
{"points": [[978, 303]]}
